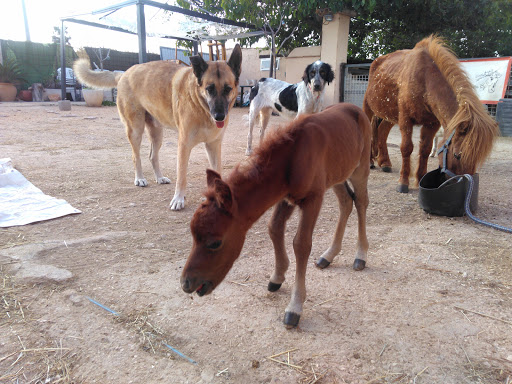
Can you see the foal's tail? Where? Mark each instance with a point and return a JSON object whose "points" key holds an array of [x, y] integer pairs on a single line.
{"points": [[101, 79], [350, 191]]}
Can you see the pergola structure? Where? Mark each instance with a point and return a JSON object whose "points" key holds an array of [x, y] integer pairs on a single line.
{"points": [[196, 36]]}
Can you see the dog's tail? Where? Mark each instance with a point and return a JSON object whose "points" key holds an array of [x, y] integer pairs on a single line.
{"points": [[103, 79]]}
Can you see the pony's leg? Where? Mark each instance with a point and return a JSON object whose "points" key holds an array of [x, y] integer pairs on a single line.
{"points": [[276, 228], [264, 118], [253, 113], [345, 203], [374, 123], [382, 146], [427, 133], [359, 180], [156, 135], [302, 243], [406, 148]]}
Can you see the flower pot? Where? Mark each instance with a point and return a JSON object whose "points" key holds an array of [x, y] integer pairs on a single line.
{"points": [[7, 92], [25, 95], [93, 97]]}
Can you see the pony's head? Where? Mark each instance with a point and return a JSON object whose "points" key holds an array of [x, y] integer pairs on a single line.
{"points": [[218, 239], [474, 133]]}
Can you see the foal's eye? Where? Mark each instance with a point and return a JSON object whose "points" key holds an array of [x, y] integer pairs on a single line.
{"points": [[214, 245]]}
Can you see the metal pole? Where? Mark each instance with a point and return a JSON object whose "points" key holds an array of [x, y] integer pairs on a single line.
{"points": [[27, 32], [62, 63], [141, 32], [194, 44]]}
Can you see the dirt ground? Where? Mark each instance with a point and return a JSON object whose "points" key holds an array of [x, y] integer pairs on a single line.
{"points": [[434, 304]]}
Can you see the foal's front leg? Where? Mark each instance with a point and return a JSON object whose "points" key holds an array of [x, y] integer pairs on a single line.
{"points": [[276, 228], [302, 244]]}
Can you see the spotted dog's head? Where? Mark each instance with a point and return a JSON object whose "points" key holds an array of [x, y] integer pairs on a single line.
{"points": [[217, 83], [317, 74]]}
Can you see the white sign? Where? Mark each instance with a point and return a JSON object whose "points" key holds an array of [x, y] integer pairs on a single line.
{"points": [[489, 77]]}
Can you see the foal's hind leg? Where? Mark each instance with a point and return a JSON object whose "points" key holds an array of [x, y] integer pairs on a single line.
{"points": [[302, 247], [359, 180], [276, 228], [345, 203]]}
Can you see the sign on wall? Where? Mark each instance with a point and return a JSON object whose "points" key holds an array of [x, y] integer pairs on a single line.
{"points": [[489, 77]]}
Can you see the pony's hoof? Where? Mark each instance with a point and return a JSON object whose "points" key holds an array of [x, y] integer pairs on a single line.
{"points": [[372, 166], [272, 287], [386, 169], [359, 265], [291, 320], [402, 188], [322, 263]]}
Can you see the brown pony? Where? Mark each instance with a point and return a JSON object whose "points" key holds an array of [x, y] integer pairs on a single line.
{"points": [[426, 86], [293, 166]]}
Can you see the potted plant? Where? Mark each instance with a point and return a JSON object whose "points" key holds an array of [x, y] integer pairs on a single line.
{"points": [[10, 74], [92, 97]]}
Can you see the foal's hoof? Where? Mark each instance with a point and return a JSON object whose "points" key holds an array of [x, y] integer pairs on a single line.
{"points": [[372, 166], [386, 169], [359, 264], [272, 287], [291, 320], [322, 263], [402, 188]]}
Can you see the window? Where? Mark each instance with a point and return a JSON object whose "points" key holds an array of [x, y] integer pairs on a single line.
{"points": [[265, 64]]}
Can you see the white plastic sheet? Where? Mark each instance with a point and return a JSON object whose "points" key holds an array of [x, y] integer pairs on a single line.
{"points": [[22, 203]]}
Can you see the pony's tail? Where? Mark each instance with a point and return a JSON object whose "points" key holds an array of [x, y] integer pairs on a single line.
{"points": [[375, 122], [103, 79]]}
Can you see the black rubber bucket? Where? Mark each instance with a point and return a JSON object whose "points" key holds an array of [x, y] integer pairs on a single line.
{"points": [[445, 197]]}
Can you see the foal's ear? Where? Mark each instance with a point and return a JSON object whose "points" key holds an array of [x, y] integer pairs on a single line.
{"points": [[211, 176], [305, 76], [199, 66], [223, 195]]}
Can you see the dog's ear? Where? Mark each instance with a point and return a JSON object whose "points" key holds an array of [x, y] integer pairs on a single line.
{"points": [[235, 61], [330, 73], [199, 66], [305, 76]]}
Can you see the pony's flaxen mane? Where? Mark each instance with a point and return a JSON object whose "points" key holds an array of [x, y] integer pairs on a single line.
{"points": [[471, 118]]}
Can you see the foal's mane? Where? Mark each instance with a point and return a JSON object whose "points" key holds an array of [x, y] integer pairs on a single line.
{"points": [[265, 154], [471, 118]]}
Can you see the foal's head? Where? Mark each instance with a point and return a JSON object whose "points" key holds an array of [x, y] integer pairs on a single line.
{"points": [[218, 239]]}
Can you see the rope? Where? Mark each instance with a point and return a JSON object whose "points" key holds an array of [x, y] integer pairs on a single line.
{"points": [[470, 215]]}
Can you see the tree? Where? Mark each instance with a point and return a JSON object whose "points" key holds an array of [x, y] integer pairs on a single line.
{"points": [[473, 28], [56, 35]]}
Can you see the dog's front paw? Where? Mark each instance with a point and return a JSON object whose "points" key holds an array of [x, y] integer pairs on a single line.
{"points": [[163, 180], [141, 182], [178, 203]]}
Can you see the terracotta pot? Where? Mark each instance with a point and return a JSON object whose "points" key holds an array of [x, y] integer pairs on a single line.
{"points": [[25, 95], [93, 97], [7, 92]]}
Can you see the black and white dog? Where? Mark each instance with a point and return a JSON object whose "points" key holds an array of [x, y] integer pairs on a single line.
{"points": [[290, 100]]}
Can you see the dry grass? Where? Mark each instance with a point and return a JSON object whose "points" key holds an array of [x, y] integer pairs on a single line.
{"points": [[23, 363]]}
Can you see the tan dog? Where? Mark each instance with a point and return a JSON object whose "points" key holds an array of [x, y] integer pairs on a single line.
{"points": [[193, 100]]}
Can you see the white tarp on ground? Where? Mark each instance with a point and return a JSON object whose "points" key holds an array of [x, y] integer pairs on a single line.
{"points": [[22, 203]]}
